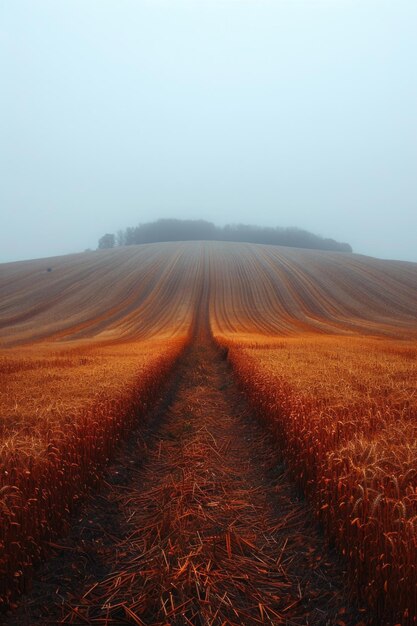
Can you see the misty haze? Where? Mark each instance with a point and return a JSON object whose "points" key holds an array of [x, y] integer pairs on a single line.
{"points": [[291, 114]]}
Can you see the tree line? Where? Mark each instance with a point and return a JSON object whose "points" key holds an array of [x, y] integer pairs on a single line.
{"points": [[191, 230]]}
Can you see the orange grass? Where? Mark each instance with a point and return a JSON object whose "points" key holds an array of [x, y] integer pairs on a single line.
{"points": [[62, 417], [324, 345], [344, 411], [202, 542], [88, 343], [87, 346]]}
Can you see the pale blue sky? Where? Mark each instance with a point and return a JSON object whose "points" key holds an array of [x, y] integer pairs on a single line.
{"points": [[276, 112]]}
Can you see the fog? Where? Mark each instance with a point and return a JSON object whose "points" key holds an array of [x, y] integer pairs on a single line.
{"points": [[271, 112]]}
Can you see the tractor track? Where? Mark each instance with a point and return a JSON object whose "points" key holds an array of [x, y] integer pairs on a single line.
{"points": [[197, 522]]}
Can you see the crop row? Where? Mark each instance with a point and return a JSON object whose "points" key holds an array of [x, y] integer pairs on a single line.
{"points": [[344, 413], [55, 445]]}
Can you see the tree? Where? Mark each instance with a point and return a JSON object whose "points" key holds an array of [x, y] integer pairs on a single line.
{"points": [[120, 238], [189, 230], [106, 241]]}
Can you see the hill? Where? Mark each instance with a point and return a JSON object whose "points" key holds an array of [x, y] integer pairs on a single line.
{"points": [[210, 383], [141, 291]]}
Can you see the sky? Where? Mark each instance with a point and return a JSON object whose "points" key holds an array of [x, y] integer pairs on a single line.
{"points": [[271, 112]]}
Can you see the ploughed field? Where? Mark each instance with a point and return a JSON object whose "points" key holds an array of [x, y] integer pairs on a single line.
{"points": [[208, 433]]}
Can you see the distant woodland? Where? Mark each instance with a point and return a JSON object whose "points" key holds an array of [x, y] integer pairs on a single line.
{"points": [[189, 230]]}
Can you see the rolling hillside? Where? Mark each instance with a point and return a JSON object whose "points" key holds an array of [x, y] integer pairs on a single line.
{"points": [[142, 291], [163, 405]]}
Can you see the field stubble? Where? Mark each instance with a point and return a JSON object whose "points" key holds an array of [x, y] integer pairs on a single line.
{"points": [[64, 415], [344, 410], [197, 524], [323, 344]]}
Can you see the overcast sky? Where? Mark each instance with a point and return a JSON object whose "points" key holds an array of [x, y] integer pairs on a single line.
{"points": [[274, 112]]}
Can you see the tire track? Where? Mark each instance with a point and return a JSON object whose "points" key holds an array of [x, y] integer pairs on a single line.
{"points": [[198, 524]]}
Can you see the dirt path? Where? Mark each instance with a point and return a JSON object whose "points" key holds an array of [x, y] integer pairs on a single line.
{"points": [[197, 524]]}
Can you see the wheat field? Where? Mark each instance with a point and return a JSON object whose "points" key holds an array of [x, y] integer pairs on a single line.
{"points": [[323, 346]]}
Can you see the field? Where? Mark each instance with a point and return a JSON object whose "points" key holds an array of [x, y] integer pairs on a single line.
{"points": [[197, 519]]}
